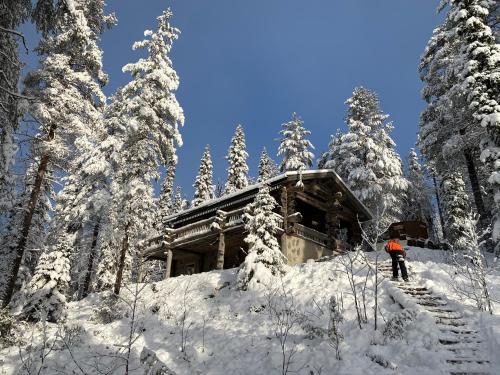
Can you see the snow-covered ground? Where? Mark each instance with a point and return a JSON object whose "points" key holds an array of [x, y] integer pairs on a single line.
{"points": [[201, 324]]}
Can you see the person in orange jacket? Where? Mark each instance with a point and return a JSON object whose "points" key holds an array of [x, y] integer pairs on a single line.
{"points": [[398, 255]]}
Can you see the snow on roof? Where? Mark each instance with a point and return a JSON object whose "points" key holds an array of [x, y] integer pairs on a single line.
{"points": [[256, 186]]}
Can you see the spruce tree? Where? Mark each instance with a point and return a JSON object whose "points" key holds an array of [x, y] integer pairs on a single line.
{"points": [[330, 158], [267, 167], [478, 71], [203, 186], [68, 101], [457, 212], [264, 258], [37, 234], [165, 201], [294, 147], [418, 203], [145, 117], [44, 297], [365, 158], [237, 171]]}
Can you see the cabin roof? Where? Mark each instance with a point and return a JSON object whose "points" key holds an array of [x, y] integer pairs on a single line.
{"points": [[274, 183]]}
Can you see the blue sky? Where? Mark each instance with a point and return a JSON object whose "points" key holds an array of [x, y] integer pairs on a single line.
{"points": [[255, 62]]}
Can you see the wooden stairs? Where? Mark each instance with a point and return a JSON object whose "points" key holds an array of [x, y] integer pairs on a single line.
{"points": [[462, 343]]}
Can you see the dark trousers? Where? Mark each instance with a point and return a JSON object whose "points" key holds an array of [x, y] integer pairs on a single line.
{"points": [[398, 258]]}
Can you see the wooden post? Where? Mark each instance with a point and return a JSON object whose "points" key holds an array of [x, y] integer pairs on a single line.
{"points": [[220, 251], [220, 219], [168, 266], [167, 249]]}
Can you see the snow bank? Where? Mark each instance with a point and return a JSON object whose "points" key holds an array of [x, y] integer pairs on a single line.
{"points": [[202, 324]]}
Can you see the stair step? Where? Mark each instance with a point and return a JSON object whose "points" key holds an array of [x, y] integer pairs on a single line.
{"points": [[431, 303], [467, 360], [457, 331], [471, 372], [414, 288], [451, 341], [442, 310], [417, 293], [450, 323]]}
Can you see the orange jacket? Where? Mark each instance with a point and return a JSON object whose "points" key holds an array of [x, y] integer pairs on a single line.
{"points": [[393, 245]]}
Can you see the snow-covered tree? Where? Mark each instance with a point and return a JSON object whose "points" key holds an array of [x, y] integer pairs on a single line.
{"points": [[328, 159], [237, 171], [365, 157], [418, 203], [68, 100], [203, 185], [165, 200], [45, 295], [12, 14], [460, 68], [267, 167], [448, 136], [457, 211], [145, 116], [36, 236], [294, 147], [264, 258]]}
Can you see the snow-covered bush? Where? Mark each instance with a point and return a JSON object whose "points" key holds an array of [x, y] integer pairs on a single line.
{"points": [[152, 365], [110, 309], [336, 317], [396, 327]]}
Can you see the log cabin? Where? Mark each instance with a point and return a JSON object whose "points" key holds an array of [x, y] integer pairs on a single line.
{"points": [[319, 217]]}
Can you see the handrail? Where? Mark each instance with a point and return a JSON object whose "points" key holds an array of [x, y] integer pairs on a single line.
{"points": [[310, 234]]}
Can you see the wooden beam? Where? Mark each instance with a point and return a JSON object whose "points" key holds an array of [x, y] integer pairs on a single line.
{"points": [[312, 201]]}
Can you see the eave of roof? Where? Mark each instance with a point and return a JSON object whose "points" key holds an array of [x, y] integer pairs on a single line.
{"points": [[247, 193]]}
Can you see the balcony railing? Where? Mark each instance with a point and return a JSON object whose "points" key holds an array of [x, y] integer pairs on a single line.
{"points": [[310, 234]]}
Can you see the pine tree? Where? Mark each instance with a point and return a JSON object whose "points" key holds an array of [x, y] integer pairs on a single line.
{"points": [[418, 203], [203, 186], [294, 147], [237, 172], [68, 100], [365, 158], [36, 237], [45, 294], [448, 135], [264, 258], [477, 70], [145, 117], [165, 201], [267, 167], [332, 158], [457, 212]]}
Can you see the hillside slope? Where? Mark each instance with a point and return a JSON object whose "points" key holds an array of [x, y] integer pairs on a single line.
{"points": [[201, 324]]}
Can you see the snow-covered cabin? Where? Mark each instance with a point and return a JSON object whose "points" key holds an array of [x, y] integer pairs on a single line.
{"points": [[318, 217]]}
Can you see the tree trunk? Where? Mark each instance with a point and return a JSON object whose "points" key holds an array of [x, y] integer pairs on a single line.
{"points": [[121, 264], [90, 265], [438, 200], [474, 182], [27, 219]]}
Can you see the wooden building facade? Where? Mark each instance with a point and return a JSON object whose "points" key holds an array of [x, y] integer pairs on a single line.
{"points": [[317, 218]]}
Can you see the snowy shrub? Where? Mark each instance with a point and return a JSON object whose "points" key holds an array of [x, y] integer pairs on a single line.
{"points": [[8, 332], [72, 334], [396, 327], [109, 310], [336, 317], [155, 308], [152, 365]]}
